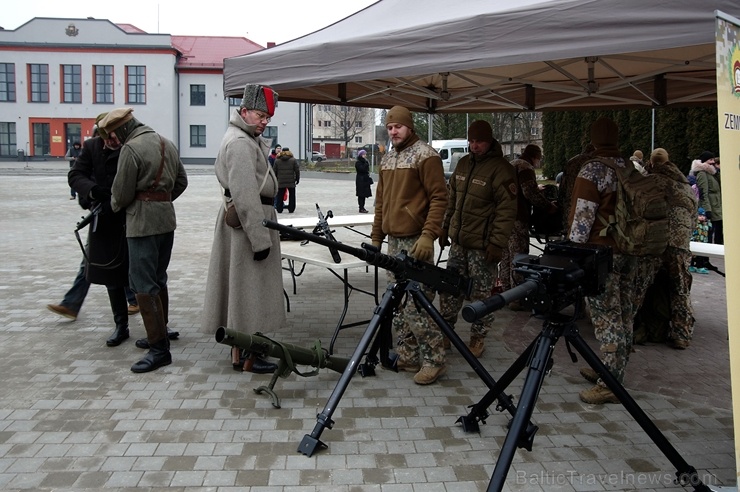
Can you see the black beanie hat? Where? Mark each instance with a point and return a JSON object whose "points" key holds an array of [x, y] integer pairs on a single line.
{"points": [[481, 131], [705, 156]]}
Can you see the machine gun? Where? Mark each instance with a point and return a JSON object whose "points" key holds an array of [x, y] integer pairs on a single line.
{"points": [[323, 229], [403, 266], [289, 355]]}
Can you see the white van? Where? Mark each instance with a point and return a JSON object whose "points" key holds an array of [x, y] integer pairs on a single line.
{"points": [[445, 149]]}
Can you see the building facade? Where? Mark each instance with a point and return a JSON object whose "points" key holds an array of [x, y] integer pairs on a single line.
{"points": [[57, 75]]}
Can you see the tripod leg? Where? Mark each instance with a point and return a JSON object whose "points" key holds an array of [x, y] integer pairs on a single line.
{"points": [[538, 367], [390, 300], [495, 389], [686, 475]]}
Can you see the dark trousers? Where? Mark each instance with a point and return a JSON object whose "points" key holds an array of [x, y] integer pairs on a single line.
{"points": [[149, 257], [291, 200]]}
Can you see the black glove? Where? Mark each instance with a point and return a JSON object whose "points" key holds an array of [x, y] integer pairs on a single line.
{"points": [[708, 215], [261, 255], [100, 193]]}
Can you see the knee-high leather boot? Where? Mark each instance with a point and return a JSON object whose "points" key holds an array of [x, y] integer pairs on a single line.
{"points": [[119, 306], [152, 314], [164, 296]]}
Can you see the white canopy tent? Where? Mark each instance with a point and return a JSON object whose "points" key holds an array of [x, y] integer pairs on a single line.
{"points": [[497, 55]]}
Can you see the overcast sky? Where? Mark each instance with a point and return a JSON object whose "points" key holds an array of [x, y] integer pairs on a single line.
{"points": [[259, 21]]}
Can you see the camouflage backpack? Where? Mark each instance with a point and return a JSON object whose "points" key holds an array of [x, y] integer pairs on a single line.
{"points": [[639, 225]]}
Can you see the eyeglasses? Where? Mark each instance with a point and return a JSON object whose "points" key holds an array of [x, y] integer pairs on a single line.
{"points": [[260, 116]]}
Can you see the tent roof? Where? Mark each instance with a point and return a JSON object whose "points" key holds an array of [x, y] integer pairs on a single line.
{"points": [[492, 55]]}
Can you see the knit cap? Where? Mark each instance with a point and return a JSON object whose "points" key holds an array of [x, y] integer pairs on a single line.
{"points": [[605, 134], [705, 156], [659, 156], [480, 131], [400, 115]]}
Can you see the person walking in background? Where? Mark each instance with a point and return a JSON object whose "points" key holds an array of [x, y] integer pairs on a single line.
{"points": [[411, 199], [710, 199], [150, 177], [244, 288], [273, 155], [477, 223], [363, 180], [288, 175], [528, 195], [72, 154], [613, 311]]}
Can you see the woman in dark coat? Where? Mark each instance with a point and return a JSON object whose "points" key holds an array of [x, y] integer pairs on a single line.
{"points": [[107, 252], [363, 180]]}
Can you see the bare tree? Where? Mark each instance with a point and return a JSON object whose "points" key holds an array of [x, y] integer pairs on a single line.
{"points": [[348, 122]]}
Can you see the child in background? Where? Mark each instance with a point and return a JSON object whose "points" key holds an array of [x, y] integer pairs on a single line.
{"points": [[700, 235]]}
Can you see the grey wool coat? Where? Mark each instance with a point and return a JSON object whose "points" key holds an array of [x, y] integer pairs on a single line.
{"points": [[242, 294]]}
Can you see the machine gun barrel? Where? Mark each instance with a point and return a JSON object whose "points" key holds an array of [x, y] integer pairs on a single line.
{"points": [[441, 279], [290, 354], [476, 310]]}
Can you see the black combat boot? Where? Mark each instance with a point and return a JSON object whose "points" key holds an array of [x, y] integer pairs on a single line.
{"points": [[119, 305]]}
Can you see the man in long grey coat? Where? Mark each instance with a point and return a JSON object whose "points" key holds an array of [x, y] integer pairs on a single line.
{"points": [[244, 290]]}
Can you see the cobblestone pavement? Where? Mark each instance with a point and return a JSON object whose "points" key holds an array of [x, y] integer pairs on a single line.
{"points": [[73, 416]]}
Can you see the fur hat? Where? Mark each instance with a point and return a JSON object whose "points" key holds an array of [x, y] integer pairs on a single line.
{"points": [[115, 119], [659, 156], [361, 153], [400, 115], [637, 155], [605, 134], [481, 131], [705, 156], [260, 98]]}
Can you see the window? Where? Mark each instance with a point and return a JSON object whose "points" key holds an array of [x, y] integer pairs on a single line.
{"points": [[235, 101], [358, 139], [41, 139], [271, 133], [7, 139], [135, 85], [197, 135], [358, 124], [39, 76], [197, 95], [533, 131], [72, 83], [103, 84], [327, 123], [7, 83], [318, 123]]}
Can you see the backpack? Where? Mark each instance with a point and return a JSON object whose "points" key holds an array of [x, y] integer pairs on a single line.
{"points": [[639, 225]]}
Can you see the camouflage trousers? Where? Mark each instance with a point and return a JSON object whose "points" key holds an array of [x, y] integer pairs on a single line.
{"points": [[420, 340], [676, 262], [613, 313], [470, 263], [518, 243]]}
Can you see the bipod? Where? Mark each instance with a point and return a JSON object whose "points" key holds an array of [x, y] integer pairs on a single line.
{"points": [[539, 354]]}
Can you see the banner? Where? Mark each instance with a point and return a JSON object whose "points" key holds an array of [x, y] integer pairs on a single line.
{"points": [[728, 112]]}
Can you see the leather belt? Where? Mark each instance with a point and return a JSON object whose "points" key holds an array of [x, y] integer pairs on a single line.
{"points": [[153, 196]]}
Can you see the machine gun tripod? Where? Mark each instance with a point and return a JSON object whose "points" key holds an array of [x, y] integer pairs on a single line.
{"points": [[554, 282], [409, 275]]}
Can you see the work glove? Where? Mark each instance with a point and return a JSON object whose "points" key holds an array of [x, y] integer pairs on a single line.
{"points": [[708, 215], [443, 239], [261, 255], [493, 254], [100, 193], [423, 249]]}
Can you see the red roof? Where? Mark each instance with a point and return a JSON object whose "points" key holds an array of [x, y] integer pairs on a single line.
{"points": [[209, 51]]}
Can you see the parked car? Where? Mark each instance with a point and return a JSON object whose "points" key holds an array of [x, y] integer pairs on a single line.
{"points": [[318, 156]]}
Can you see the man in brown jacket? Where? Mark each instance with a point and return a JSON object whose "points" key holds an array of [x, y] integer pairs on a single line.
{"points": [[411, 199], [150, 176]]}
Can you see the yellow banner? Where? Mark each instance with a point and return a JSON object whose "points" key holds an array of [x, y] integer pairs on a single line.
{"points": [[728, 112]]}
